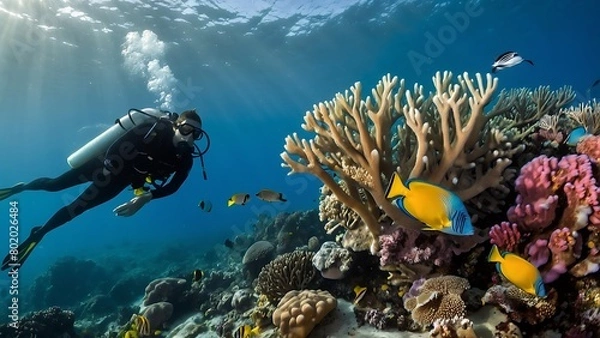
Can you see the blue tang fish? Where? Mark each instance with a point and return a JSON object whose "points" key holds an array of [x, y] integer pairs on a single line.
{"points": [[576, 135], [518, 271], [440, 209]]}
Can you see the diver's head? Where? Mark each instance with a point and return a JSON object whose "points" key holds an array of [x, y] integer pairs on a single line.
{"points": [[188, 128]]}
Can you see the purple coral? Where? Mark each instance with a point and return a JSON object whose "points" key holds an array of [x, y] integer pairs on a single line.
{"points": [[396, 246], [400, 247], [505, 235], [537, 201]]}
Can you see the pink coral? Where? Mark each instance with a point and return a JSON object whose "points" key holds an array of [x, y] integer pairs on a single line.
{"points": [[565, 246], [538, 252], [505, 235], [537, 201], [583, 207], [590, 146]]}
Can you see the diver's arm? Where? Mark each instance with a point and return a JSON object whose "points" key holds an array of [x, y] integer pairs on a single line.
{"points": [[176, 181]]}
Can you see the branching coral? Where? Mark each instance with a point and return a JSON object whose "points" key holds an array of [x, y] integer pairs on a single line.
{"points": [[439, 139], [586, 115], [518, 110], [290, 271]]}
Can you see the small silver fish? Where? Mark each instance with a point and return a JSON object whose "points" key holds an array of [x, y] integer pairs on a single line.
{"points": [[508, 59], [270, 196], [239, 199]]}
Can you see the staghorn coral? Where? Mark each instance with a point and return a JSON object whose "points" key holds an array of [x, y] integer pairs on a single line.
{"points": [[550, 130], [290, 271], [518, 110], [437, 138], [586, 115], [335, 213], [437, 298], [299, 312]]}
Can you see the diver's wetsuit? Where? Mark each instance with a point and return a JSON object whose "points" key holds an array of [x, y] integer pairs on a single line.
{"points": [[145, 150]]}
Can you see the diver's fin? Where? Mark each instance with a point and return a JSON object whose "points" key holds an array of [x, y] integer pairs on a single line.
{"points": [[23, 251], [15, 189]]}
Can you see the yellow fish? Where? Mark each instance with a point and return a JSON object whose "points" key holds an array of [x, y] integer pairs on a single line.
{"points": [[518, 271], [359, 293], [239, 199], [439, 208], [246, 331]]}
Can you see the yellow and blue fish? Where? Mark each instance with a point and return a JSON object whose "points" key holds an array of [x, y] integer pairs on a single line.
{"points": [[246, 331], [518, 271], [439, 208]]}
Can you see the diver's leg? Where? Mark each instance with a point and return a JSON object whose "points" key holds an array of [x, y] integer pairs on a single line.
{"points": [[91, 197], [71, 178], [97, 193]]}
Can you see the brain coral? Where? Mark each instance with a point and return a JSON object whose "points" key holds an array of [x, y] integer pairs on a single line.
{"points": [[290, 271], [438, 298]]}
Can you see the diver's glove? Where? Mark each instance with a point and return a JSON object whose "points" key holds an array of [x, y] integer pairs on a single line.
{"points": [[131, 207]]}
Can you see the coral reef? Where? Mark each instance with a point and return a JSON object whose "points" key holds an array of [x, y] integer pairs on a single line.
{"points": [[299, 311], [164, 290], [444, 140], [520, 305], [50, 323], [437, 298], [290, 271], [557, 209], [332, 260], [258, 255]]}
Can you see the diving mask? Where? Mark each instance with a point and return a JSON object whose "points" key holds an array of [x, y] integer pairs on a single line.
{"points": [[188, 127]]}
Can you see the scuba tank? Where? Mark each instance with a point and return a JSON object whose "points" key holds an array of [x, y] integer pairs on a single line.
{"points": [[102, 142]]}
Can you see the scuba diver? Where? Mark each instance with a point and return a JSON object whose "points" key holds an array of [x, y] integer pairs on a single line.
{"points": [[142, 150]]}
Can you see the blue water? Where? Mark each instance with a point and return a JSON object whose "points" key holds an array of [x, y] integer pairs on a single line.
{"points": [[251, 69]]}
